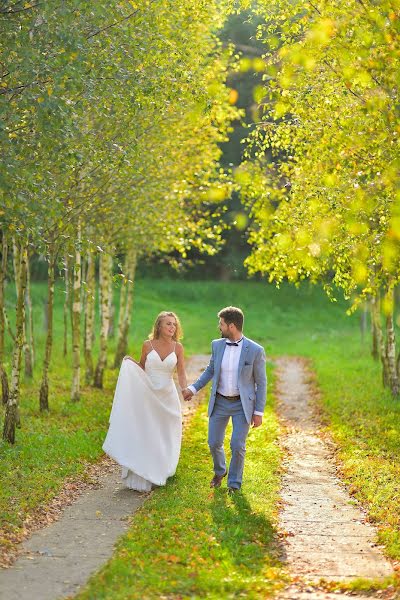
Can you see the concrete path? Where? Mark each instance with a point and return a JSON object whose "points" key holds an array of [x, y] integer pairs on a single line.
{"points": [[57, 560], [325, 533]]}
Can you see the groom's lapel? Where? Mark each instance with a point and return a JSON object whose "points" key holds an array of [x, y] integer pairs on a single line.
{"points": [[220, 354], [243, 354]]}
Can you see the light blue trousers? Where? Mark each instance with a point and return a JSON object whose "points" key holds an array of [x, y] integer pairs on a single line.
{"points": [[224, 410]]}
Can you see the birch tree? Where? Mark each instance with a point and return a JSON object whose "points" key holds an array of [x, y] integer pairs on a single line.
{"points": [[76, 323], [105, 289], [125, 305], [44, 387], [108, 135], [325, 153], [3, 273], [11, 419], [89, 316]]}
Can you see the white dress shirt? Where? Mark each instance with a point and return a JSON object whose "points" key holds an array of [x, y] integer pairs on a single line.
{"points": [[228, 379]]}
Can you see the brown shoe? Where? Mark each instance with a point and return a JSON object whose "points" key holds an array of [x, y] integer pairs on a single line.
{"points": [[216, 480]]}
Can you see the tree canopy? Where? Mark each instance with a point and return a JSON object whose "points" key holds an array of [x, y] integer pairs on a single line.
{"points": [[112, 118], [327, 146]]}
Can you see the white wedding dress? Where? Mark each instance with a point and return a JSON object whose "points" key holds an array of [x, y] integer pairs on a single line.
{"points": [[145, 430]]}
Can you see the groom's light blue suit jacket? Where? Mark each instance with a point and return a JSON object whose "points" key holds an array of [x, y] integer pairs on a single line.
{"points": [[252, 378]]}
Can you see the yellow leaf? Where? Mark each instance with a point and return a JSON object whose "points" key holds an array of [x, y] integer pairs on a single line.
{"points": [[241, 221], [245, 65], [233, 96], [258, 65], [281, 109], [360, 273], [387, 305], [216, 194]]}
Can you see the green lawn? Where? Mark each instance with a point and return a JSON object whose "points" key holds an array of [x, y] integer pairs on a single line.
{"points": [[362, 417], [190, 541]]}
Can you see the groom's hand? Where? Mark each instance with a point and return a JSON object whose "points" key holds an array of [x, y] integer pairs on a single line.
{"points": [[256, 420], [187, 394]]}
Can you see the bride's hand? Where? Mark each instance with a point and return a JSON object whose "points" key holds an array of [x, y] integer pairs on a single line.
{"points": [[130, 358], [134, 361]]}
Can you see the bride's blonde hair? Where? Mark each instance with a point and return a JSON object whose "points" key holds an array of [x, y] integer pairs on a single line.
{"points": [[155, 334]]}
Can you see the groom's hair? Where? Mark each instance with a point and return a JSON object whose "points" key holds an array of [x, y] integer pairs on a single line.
{"points": [[232, 314]]}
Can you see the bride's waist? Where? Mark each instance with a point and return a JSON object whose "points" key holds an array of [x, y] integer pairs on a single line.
{"points": [[160, 380]]}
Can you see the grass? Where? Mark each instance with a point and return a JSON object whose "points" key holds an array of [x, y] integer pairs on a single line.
{"points": [[188, 541], [359, 413], [49, 449], [365, 422]]}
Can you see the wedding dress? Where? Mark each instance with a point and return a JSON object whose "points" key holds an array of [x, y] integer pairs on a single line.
{"points": [[145, 430]]}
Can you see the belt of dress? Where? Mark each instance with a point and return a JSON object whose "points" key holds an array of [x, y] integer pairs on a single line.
{"points": [[231, 398]]}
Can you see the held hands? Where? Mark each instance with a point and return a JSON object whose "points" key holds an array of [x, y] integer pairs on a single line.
{"points": [[187, 394], [256, 420]]}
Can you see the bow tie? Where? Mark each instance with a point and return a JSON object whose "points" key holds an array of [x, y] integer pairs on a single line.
{"points": [[234, 343]]}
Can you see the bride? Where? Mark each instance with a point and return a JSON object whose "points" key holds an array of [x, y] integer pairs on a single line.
{"points": [[145, 430]]}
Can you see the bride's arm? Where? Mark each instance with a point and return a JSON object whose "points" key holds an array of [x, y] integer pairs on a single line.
{"points": [[180, 367], [132, 359], [143, 356], [145, 350]]}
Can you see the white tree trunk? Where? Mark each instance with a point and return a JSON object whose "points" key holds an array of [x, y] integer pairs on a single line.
{"points": [[11, 420], [76, 324], [25, 345], [29, 353], [125, 308], [89, 316], [375, 350], [67, 301], [8, 325], [44, 388], [105, 283], [391, 347], [3, 271], [380, 340]]}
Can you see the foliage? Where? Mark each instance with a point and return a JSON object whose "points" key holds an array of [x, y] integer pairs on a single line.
{"points": [[112, 118], [113, 115], [326, 204]]}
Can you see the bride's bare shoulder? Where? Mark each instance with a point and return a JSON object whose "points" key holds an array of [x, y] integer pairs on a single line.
{"points": [[178, 348], [147, 345]]}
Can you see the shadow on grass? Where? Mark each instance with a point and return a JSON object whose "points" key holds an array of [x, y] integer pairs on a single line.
{"points": [[247, 536]]}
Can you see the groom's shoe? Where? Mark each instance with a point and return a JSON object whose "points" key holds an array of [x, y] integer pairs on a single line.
{"points": [[216, 480]]}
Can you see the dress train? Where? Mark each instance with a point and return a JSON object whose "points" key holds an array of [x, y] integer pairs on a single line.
{"points": [[145, 430]]}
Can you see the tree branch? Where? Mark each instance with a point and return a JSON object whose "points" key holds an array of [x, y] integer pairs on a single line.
{"points": [[132, 14], [10, 10]]}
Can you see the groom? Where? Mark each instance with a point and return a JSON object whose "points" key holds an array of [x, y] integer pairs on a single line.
{"points": [[239, 387]]}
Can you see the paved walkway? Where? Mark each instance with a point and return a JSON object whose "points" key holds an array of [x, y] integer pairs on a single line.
{"points": [[326, 535], [57, 560]]}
